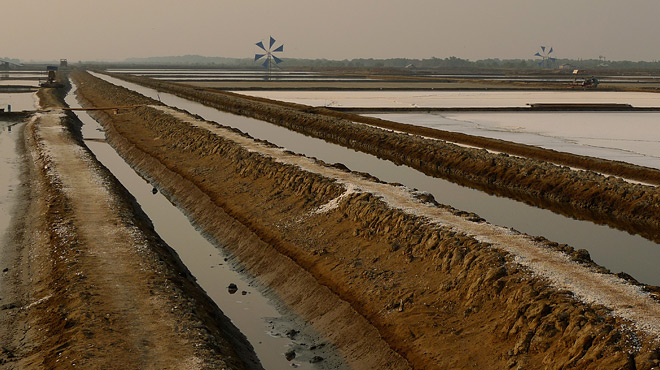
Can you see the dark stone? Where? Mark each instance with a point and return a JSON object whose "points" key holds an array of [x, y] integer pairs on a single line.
{"points": [[7, 352], [340, 166], [291, 334], [426, 198], [290, 355], [581, 255], [232, 288], [5, 269], [8, 306], [316, 359], [154, 191]]}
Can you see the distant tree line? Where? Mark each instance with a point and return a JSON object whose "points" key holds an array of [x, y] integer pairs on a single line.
{"points": [[405, 63], [448, 64]]}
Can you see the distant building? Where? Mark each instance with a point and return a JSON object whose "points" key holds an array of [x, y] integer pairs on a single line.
{"points": [[63, 63]]}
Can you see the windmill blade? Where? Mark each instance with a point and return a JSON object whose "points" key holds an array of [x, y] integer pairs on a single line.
{"points": [[258, 56], [550, 50], [538, 55], [279, 48], [277, 60], [552, 59], [261, 45], [543, 48], [541, 64], [272, 42], [266, 63]]}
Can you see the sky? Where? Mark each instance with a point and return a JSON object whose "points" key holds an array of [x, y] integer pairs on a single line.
{"points": [[94, 30]]}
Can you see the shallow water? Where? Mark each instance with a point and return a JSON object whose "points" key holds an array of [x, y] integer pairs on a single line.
{"points": [[632, 137], [23, 74], [31, 83], [614, 249], [235, 75], [253, 314], [455, 99], [9, 176], [9, 159], [18, 101]]}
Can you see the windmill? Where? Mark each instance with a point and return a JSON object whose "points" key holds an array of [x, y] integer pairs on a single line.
{"points": [[546, 60], [269, 58]]}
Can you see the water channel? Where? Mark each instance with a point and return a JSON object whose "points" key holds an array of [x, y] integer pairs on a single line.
{"points": [[10, 132], [249, 309], [9, 177], [614, 249]]}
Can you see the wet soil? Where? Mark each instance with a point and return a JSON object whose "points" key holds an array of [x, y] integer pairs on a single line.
{"points": [[392, 278]]}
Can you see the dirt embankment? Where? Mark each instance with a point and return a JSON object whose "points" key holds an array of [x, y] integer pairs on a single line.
{"points": [[90, 284], [359, 270], [581, 194]]}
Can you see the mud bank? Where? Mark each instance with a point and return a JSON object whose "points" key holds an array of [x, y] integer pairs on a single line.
{"points": [[580, 194], [89, 283], [390, 288]]}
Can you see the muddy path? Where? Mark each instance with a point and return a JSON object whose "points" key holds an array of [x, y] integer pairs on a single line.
{"points": [[533, 179], [90, 284], [393, 280]]}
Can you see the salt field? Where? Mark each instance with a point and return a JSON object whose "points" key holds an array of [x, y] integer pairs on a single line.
{"points": [[619, 136], [252, 312], [454, 99], [182, 75], [18, 101], [603, 243], [330, 185], [623, 136]]}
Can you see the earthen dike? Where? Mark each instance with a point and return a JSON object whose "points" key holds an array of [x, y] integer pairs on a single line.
{"points": [[392, 278]]}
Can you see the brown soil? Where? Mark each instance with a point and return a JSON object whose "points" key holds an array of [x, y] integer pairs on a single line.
{"points": [[90, 284], [534, 179], [392, 281]]}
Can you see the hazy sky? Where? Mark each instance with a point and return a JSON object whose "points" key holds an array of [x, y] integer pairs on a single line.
{"points": [[332, 29]]}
